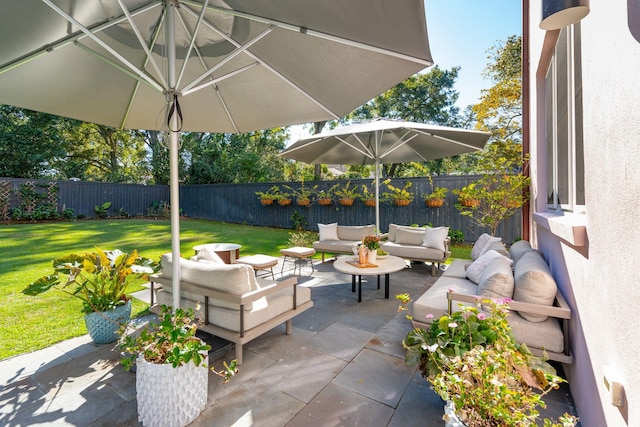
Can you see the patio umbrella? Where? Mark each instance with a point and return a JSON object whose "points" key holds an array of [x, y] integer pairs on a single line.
{"points": [[205, 65], [385, 141]]}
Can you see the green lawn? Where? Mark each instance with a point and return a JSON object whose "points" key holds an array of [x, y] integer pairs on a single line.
{"points": [[29, 323]]}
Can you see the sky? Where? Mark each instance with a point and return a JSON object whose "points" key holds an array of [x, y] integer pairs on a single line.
{"points": [[460, 34]]}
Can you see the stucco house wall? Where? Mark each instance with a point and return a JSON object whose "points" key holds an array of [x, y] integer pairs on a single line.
{"points": [[595, 255]]}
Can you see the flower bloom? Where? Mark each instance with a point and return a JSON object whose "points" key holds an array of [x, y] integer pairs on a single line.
{"points": [[481, 316], [453, 325], [429, 316]]}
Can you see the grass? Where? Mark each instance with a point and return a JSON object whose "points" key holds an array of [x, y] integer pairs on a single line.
{"points": [[29, 323]]}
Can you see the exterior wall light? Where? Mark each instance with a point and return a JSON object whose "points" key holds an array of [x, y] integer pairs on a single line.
{"points": [[561, 13]]}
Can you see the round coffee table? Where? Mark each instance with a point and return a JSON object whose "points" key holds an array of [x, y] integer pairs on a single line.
{"points": [[389, 264]]}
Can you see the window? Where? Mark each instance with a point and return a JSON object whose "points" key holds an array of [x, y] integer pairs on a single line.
{"points": [[563, 104]]}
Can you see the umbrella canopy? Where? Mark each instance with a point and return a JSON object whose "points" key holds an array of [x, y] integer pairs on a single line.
{"points": [[205, 65], [385, 141]]}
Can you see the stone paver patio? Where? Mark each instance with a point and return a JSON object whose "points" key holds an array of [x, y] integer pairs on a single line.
{"points": [[342, 366]]}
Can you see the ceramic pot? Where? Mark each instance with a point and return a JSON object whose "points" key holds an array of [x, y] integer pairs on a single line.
{"points": [[168, 396], [371, 256], [103, 326]]}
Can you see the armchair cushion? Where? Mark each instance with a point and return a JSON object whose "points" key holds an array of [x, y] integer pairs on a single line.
{"points": [[434, 237], [405, 236], [355, 232], [477, 267]]}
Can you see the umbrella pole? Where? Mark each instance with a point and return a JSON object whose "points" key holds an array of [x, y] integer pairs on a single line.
{"points": [[377, 175], [173, 160]]}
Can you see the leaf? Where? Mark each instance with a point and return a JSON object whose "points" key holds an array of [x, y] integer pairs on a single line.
{"points": [[41, 285]]}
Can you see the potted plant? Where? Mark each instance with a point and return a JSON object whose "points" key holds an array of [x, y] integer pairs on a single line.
{"points": [[171, 374], [399, 196], [347, 194], [303, 194], [267, 197], [435, 199], [468, 195], [325, 196], [372, 243], [473, 362], [368, 197], [100, 280]]}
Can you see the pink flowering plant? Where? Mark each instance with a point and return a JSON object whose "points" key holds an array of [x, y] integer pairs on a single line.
{"points": [[471, 358]]}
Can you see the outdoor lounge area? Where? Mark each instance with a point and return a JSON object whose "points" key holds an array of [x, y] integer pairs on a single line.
{"points": [[343, 364]]}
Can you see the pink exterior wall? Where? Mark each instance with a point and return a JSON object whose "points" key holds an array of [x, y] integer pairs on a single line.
{"points": [[595, 256]]}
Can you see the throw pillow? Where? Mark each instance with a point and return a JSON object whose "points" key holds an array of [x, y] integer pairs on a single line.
{"points": [[496, 280], [434, 237], [534, 283], [498, 247], [518, 249], [205, 254], [328, 231], [479, 245], [477, 267], [406, 236]]}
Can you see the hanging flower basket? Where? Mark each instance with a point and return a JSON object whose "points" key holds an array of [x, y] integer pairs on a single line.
{"points": [[346, 201], [370, 202], [401, 202], [434, 203], [284, 202], [303, 202], [324, 202], [266, 202], [470, 202]]}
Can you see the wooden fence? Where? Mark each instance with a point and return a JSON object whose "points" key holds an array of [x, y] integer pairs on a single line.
{"points": [[238, 203]]}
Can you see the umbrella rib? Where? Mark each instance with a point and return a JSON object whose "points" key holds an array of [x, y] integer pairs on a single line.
{"points": [[399, 143], [193, 38], [244, 48], [364, 151], [450, 140], [109, 49], [318, 34], [191, 87], [142, 42], [68, 40]]}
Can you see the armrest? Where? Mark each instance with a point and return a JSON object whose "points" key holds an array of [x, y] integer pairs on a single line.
{"points": [[561, 311]]}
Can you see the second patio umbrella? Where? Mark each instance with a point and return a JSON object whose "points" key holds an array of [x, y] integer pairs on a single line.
{"points": [[385, 141]]}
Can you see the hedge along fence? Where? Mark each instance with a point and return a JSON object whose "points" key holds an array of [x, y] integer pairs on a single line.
{"points": [[238, 203]]}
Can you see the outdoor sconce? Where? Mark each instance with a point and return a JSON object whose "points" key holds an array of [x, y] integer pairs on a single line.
{"points": [[561, 13]]}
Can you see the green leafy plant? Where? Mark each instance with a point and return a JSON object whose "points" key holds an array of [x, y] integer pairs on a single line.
{"points": [[171, 341], [436, 194], [456, 236], [271, 193], [303, 194], [471, 358], [348, 191], [396, 193], [101, 278], [298, 220], [102, 211], [302, 239], [327, 193]]}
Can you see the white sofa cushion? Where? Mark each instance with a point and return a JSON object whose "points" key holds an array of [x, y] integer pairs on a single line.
{"points": [[435, 237], [328, 231], [498, 247], [393, 228], [534, 283], [518, 249], [355, 232], [405, 236], [477, 267], [479, 245], [496, 280], [434, 300]]}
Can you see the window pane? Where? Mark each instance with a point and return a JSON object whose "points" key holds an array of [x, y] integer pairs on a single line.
{"points": [[550, 125], [578, 143], [562, 120]]}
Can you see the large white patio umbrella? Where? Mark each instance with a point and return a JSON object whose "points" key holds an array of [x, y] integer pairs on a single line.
{"points": [[381, 141], [205, 65]]}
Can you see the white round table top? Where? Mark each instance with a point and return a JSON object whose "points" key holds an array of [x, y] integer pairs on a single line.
{"points": [[386, 265], [218, 247]]}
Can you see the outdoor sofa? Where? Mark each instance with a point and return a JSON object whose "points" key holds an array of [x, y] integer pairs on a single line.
{"points": [[539, 314], [234, 304], [340, 239], [426, 244]]}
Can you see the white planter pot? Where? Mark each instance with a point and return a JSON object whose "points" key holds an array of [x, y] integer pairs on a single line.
{"points": [[450, 417], [371, 256], [168, 396]]}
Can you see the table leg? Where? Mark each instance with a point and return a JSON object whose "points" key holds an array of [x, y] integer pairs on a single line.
{"points": [[353, 283], [359, 288], [386, 286], [378, 281]]}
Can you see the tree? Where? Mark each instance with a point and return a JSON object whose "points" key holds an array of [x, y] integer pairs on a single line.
{"points": [[29, 143]]}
